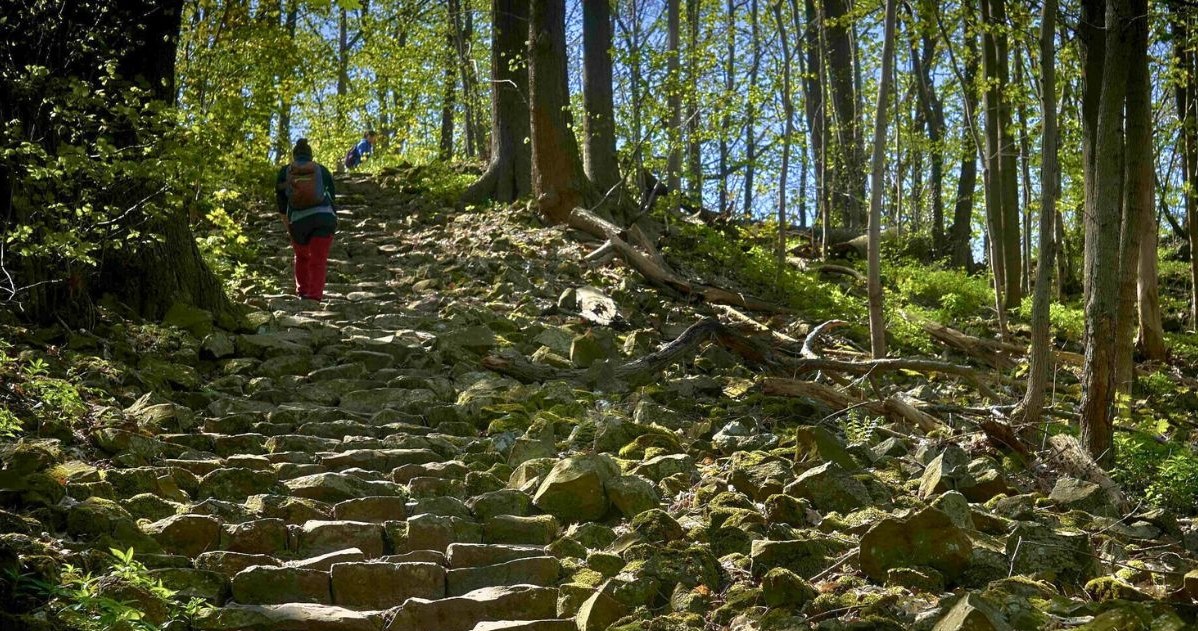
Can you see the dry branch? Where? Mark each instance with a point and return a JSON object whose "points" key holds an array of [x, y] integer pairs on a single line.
{"points": [[894, 407], [638, 370]]}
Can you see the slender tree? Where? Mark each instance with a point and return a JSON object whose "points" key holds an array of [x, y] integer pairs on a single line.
{"points": [[1041, 357], [674, 102], [877, 325], [787, 133], [751, 109]]}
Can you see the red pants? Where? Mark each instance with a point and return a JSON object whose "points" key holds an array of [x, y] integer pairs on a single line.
{"points": [[311, 265]]}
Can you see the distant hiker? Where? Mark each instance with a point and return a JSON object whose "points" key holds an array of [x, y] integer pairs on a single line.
{"points": [[364, 148], [304, 193]]}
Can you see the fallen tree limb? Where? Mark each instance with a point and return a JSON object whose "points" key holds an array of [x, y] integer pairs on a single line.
{"points": [[515, 365], [894, 407], [825, 268], [657, 272], [811, 343], [889, 364], [743, 318], [994, 352]]}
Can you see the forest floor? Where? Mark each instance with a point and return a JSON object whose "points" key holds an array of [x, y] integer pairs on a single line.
{"points": [[357, 464]]}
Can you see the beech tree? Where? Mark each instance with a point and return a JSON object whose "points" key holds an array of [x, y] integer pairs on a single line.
{"points": [[509, 174]]}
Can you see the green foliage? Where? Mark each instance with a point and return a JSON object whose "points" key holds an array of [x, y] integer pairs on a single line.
{"points": [[1069, 322], [858, 426], [82, 599], [748, 257], [952, 296]]}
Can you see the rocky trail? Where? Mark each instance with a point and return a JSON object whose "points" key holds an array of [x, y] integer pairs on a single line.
{"points": [[353, 466]]}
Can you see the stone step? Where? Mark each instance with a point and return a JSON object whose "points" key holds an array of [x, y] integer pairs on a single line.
{"points": [[465, 555], [539, 570], [289, 617], [464, 613], [378, 585]]}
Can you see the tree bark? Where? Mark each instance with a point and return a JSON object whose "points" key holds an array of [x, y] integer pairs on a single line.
{"points": [[674, 102], [751, 110], [1138, 203], [787, 132], [448, 96], [726, 118], [509, 175], [932, 111], [962, 228], [694, 144], [1103, 236], [877, 324], [1184, 94], [848, 181], [559, 183], [283, 135], [1041, 360], [599, 126]]}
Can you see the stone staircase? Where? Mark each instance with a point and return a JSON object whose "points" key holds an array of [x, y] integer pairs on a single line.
{"points": [[328, 483]]}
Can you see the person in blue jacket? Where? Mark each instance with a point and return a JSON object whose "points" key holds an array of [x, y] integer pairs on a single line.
{"points": [[361, 151], [305, 194]]}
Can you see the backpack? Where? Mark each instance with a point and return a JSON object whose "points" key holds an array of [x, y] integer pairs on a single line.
{"points": [[305, 186], [353, 158]]}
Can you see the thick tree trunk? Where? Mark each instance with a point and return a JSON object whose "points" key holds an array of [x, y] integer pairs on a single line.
{"points": [[149, 275], [1151, 342], [1101, 338], [599, 126], [877, 324], [1040, 357], [559, 182], [509, 175]]}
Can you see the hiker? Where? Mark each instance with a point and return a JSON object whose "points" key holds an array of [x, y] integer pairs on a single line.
{"points": [[305, 194], [364, 148]]}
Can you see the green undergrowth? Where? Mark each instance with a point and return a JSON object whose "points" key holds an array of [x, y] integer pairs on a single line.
{"points": [[123, 597]]}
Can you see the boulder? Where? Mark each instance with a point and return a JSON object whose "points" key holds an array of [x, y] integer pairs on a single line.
{"points": [[574, 489], [265, 585], [538, 570], [286, 617], [972, 613], [927, 538], [319, 537], [378, 585], [632, 494], [830, 488]]}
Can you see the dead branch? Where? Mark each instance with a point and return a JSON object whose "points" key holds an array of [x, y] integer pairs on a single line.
{"points": [[743, 318], [895, 408], [658, 273], [889, 364], [515, 365], [812, 343]]}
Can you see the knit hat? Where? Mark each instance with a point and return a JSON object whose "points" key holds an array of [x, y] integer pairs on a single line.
{"points": [[302, 150]]}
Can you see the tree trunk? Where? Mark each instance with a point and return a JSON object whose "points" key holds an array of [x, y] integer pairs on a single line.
{"points": [[694, 145], [788, 130], [509, 175], [462, 32], [1040, 357], [933, 114], [1189, 139], [1138, 203], [726, 118], [559, 183], [814, 106], [674, 103], [448, 97], [1151, 341], [877, 325], [599, 126], [1025, 186], [962, 229], [283, 136], [149, 275], [751, 110], [1007, 160], [1101, 338], [848, 183]]}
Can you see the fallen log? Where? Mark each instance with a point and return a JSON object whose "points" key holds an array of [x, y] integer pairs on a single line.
{"points": [[811, 344], [657, 272], [889, 364], [994, 352]]}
